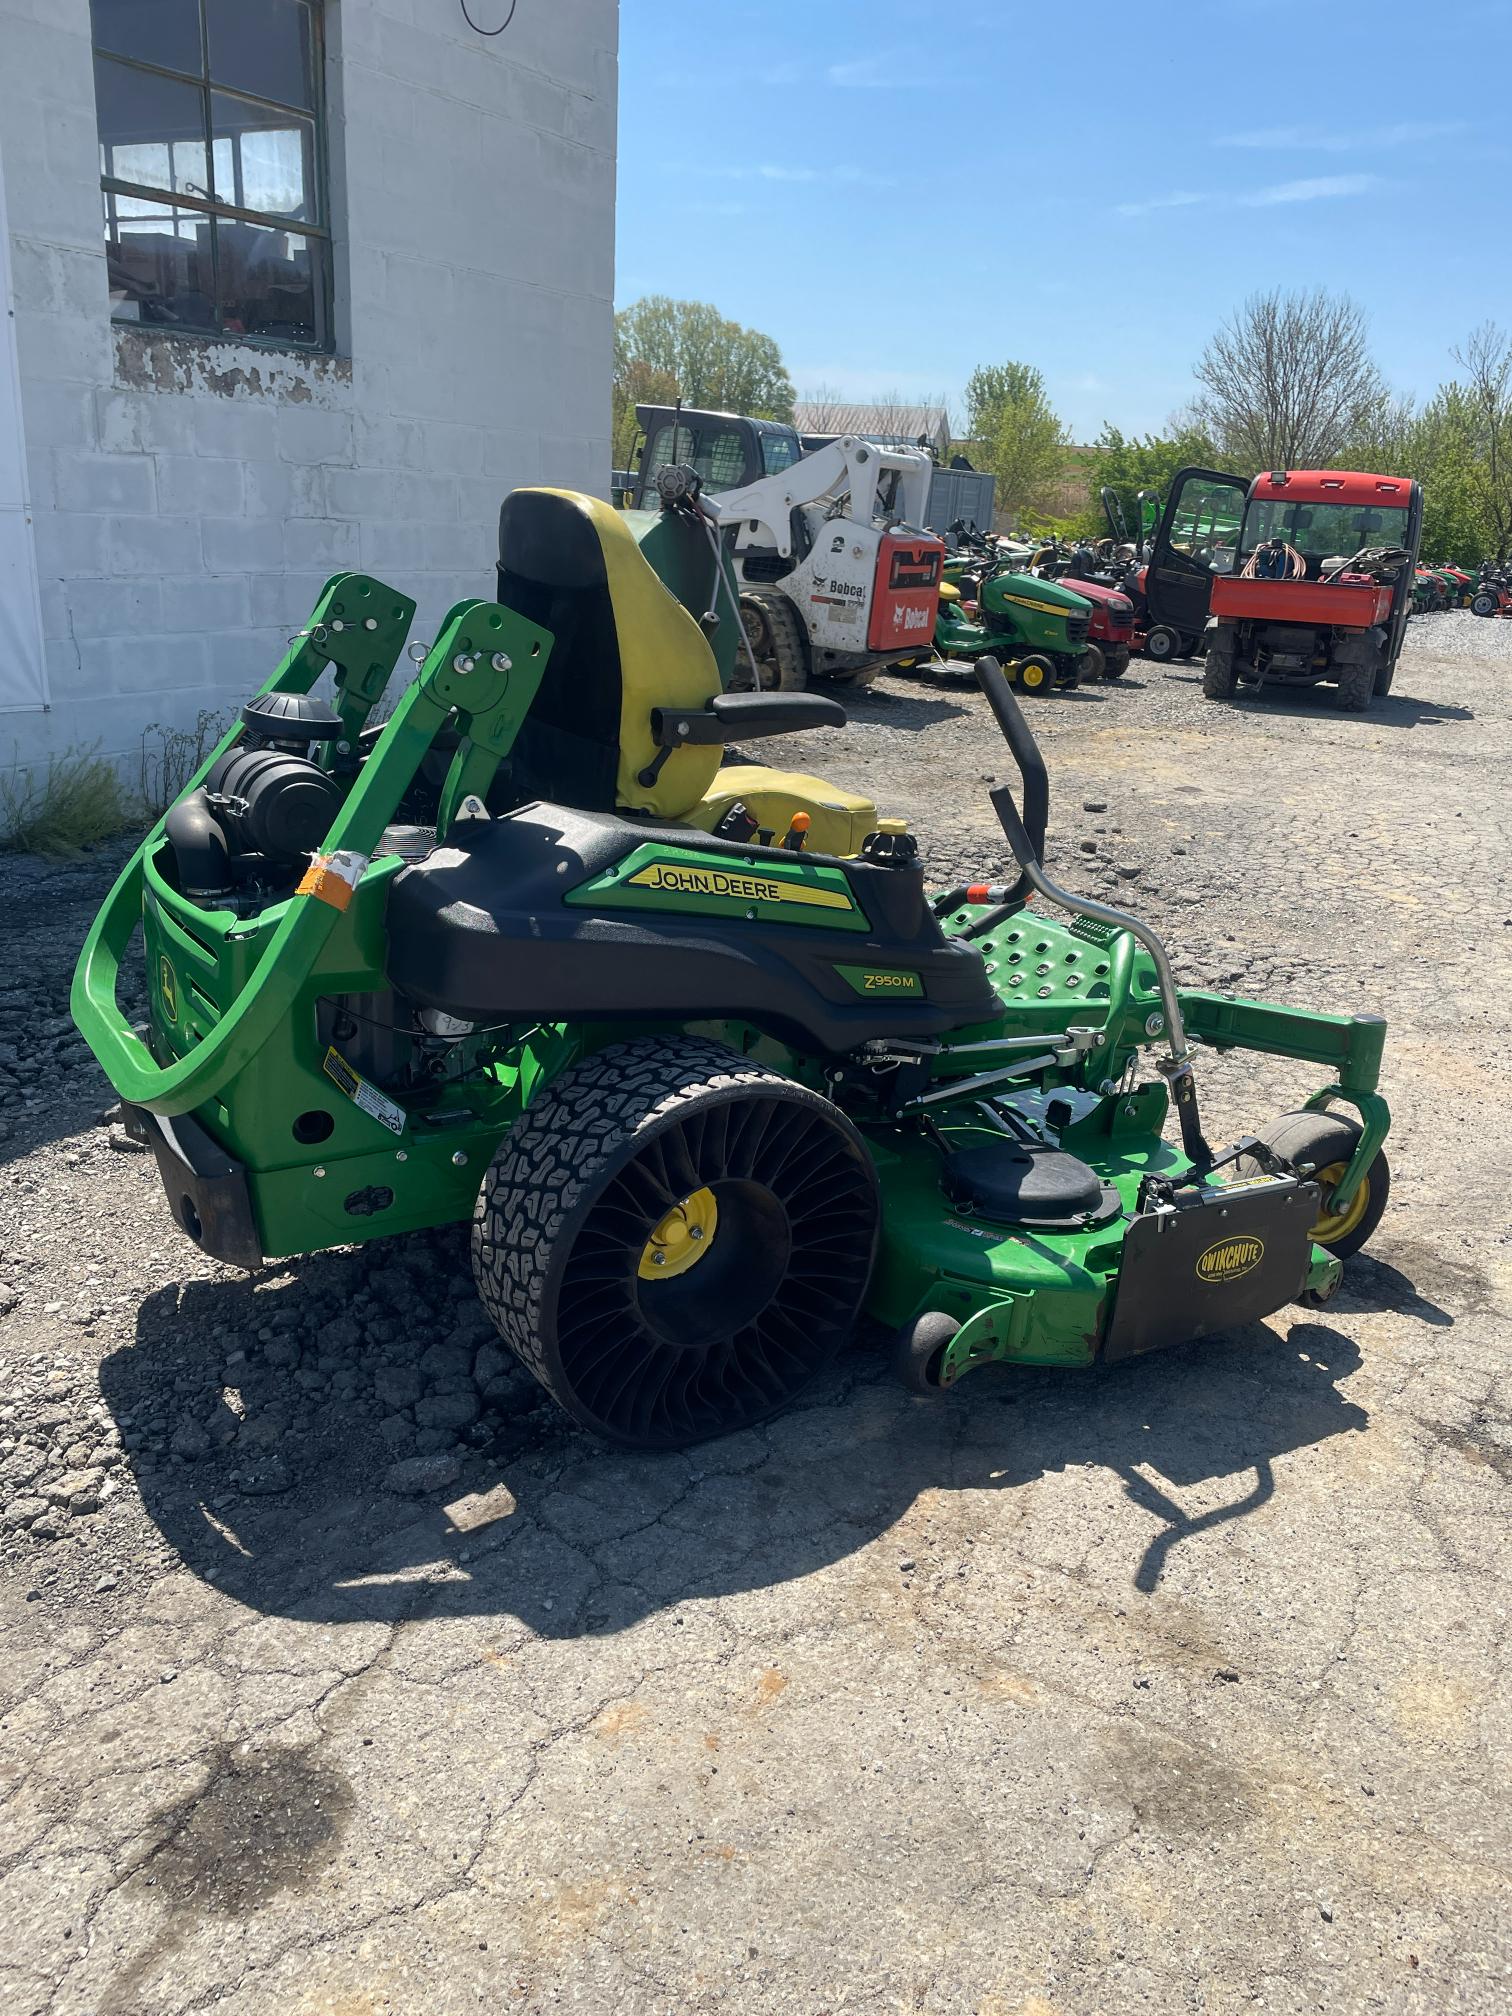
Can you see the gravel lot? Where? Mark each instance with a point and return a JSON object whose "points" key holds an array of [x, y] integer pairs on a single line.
{"points": [[1179, 1688]]}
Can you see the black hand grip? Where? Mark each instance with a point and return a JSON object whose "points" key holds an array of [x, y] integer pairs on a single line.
{"points": [[1024, 850], [1025, 753]]}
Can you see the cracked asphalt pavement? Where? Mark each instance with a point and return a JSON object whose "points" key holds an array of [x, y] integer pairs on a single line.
{"points": [[337, 1674]]}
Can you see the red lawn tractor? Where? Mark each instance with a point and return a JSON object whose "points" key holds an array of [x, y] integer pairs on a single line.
{"points": [[1315, 589], [1110, 628]]}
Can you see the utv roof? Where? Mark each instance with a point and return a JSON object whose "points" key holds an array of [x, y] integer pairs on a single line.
{"points": [[1332, 486]]}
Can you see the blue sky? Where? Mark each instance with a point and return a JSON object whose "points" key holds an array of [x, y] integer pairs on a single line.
{"points": [[898, 190]]}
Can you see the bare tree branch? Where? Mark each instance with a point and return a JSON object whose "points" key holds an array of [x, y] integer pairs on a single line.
{"points": [[1289, 381], [1486, 359]]}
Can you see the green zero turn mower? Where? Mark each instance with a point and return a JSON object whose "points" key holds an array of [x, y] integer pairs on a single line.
{"points": [[525, 955]]}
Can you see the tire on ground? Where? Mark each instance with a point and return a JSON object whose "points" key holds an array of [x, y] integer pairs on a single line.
{"points": [[1357, 665], [1327, 1141], [1218, 674], [615, 1161], [1162, 644]]}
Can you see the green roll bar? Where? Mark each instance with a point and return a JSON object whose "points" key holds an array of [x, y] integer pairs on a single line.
{"points": [[484, 669]]}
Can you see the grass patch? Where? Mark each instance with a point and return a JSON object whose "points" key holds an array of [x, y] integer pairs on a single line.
{"points": [[76, 802], [169, 757], [80, 799]]}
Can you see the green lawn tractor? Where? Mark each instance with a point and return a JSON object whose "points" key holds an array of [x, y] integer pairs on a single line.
{"points": [[1038, 630], [526, 957]]}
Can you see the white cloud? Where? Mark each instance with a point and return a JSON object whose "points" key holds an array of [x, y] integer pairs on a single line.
{"points": [[870, 73], [1311, 189], [1308, 139], [772, 171], [1315, 189], [1179, 199]]}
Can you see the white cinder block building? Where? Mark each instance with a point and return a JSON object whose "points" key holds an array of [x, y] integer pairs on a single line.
{"points": [[290, 286]]}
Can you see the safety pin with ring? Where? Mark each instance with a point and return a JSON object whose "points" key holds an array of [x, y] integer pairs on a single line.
{"points": [[318, 633]]}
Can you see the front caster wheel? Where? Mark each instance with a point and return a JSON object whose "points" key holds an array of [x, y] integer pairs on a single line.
{"points": [[1326, 1142], [919, 1351]]}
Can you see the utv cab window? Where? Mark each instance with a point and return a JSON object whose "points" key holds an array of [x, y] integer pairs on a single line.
{"points": [[1206, 525]]}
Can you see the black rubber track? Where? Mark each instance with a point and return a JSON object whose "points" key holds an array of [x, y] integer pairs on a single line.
{"points": [[599, 1158]]}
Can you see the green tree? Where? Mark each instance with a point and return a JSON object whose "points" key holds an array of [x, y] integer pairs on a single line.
{"points": [[1442, 454], [1129, 463], [706, 359], [1018, 435], [637, 384]]}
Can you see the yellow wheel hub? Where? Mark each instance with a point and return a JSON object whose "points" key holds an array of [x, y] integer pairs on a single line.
{"points": [[681, 1239], [1033, 676], [1335, 1225]]}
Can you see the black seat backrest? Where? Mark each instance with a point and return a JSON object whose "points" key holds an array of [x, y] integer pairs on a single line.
{"points": [[551, 569]]}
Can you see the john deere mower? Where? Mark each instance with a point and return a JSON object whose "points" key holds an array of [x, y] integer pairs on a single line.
{"points": [[1038, 630], [708, 1078]]}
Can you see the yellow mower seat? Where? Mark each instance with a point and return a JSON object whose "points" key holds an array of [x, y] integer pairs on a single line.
{"points": [[839, 820], [625, 645]]}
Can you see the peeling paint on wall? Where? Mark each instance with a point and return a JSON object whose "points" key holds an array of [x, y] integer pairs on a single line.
{"points": [[149, 361]]}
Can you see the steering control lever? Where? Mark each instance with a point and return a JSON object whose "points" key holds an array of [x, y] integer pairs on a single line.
{"points": [[1026, 838]]}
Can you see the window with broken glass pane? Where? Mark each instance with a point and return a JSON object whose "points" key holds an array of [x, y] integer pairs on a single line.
{"points": [[210, 120]]}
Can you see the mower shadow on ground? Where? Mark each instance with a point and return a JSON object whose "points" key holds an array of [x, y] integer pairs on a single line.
{"points": [[573, 1539]]}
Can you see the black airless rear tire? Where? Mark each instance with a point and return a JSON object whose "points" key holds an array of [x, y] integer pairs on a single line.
{"points": [[674, 1239]]}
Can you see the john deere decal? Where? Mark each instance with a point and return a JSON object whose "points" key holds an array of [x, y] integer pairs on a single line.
{"points": [[168, 989], [680, 878], [1230, 1260]]}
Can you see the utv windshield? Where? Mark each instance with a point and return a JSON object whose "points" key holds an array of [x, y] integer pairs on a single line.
{"points": [[1323, 531]]}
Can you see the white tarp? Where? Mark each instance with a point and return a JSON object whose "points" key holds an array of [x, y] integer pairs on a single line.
{"points": [[23, 672]]}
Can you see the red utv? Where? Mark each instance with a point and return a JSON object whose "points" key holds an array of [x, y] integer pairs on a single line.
{"points": [[1316, 589]]}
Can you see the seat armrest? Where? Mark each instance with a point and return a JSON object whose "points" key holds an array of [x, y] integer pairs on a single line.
{"points": [[733, 717]]}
